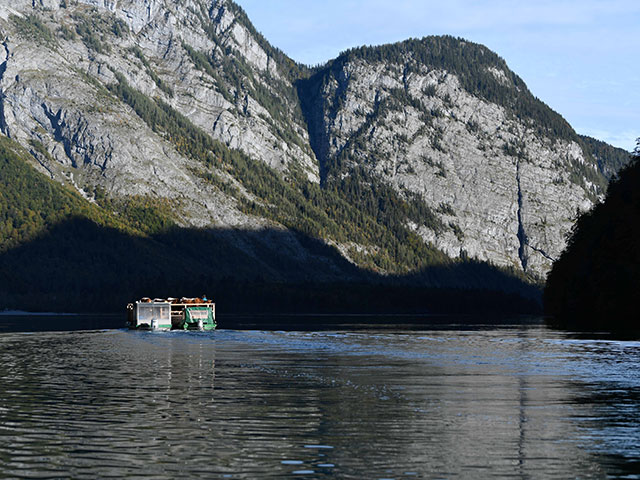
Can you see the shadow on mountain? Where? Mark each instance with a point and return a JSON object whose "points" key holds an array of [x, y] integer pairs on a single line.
{"points": [[311, 104], [79, 266]]}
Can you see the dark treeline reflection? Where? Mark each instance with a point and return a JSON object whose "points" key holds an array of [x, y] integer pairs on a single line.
{"points": [[80, 266]]}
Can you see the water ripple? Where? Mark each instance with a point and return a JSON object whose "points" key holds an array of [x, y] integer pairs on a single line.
{"points": [[233, 404]]}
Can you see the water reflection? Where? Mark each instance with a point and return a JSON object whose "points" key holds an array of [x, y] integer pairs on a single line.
{"points": [[523, 402]]}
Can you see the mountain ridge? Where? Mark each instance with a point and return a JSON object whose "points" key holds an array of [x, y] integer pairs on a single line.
{"points": [[192, 108], [388, 108]]}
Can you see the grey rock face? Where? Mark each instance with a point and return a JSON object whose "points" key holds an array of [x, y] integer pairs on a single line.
{"points": [[55, 103], [53, 90], [501, 189]]}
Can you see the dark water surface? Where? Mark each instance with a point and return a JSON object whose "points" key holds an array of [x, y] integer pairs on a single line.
{"points": [[443, 402]]}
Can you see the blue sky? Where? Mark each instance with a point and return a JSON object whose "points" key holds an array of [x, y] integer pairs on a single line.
{"points": [[578, 56]]}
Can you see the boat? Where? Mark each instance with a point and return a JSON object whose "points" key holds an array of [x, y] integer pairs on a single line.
{"points": [[172, 314]]}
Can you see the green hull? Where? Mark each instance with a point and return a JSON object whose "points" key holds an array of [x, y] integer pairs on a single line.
{"points": [[196, 318], [205, 327]]}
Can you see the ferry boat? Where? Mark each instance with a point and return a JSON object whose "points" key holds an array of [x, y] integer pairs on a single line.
{"points": [[172, 314]]}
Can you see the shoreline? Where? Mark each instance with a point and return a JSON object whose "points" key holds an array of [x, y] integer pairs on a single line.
{"points": [[23, 313]]}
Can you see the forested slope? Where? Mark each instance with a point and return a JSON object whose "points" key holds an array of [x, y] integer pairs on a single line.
{"points": [[60, 252], [596, 281]]}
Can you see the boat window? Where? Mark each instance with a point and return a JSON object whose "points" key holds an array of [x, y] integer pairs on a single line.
{"points": [[146, 313]]}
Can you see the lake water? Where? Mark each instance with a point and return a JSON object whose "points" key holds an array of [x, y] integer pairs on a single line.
{"points": [[370, 403]]}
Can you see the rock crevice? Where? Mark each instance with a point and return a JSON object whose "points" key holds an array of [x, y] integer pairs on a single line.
{"points": [[522, 234]]}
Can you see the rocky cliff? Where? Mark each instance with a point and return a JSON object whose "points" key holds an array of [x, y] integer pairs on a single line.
{"points": [[447, 120], [200, 58], [392, 155]]}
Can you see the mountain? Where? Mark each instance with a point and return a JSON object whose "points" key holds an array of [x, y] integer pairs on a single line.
{"points": [[445, 120], [410, 163], [595, 282]]}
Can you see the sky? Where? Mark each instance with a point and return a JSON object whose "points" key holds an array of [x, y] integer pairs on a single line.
{"points": [[580, 57]]}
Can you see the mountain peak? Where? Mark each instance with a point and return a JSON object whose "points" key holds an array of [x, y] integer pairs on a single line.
{"points": [[446, 120]]}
